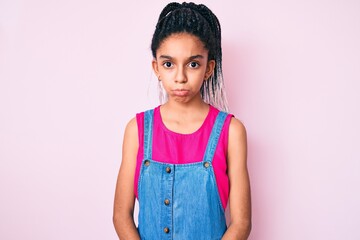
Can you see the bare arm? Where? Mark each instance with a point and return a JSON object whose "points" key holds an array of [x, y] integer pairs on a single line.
{"points": [[239, 197], [124, 194]]}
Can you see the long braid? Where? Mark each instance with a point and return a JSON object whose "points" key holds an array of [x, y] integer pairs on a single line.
{"points": [[215, 91]]}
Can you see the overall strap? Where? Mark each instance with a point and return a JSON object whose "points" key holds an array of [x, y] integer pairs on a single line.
{"points": [[148, 133], [214, 137]]}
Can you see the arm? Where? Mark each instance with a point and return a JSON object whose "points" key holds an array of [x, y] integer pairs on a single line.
{"points": [[124, 194], [239, 197]]}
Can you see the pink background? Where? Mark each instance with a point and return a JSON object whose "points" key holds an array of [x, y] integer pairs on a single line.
{"points": [[73, 72]]}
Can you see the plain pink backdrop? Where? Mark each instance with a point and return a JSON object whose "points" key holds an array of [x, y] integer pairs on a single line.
{"points": [[72, 73]]}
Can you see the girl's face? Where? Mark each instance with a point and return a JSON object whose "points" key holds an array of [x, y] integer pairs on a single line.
{"points": [[182, 66]]}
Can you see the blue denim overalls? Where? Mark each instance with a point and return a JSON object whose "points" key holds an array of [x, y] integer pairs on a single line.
{"points": [[180, 201]]}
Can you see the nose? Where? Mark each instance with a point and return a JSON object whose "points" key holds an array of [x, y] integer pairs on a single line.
{"points": [[180, 76]]}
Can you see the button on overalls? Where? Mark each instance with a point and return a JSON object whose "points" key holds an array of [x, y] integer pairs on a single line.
{"points": [[180, 201]]}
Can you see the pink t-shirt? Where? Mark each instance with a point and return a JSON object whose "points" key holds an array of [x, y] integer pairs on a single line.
{"points": [[192, 148]]}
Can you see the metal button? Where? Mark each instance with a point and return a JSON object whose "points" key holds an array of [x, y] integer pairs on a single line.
{"points": [[147, 163], [167, 201], [206, 164], [168, 169], [166, 230]]}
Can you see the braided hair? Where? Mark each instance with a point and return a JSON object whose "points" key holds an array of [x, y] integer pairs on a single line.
{"points": [[200, 21]]}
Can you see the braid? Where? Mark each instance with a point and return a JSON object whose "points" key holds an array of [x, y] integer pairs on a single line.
{"points": [[208, 92], [169, 8], [200, 21]]}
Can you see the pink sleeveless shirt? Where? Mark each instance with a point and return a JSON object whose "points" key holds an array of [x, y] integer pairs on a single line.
{"points": [[177, 148]]}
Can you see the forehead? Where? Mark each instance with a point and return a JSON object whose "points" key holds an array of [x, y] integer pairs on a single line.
{"points": [[182, 45]]}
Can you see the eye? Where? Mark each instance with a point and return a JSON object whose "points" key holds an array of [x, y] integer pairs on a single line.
{"points": [[167, 64], [194, 65]]}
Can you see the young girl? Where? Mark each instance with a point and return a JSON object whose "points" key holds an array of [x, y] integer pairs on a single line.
{"points": [[185, 159]]}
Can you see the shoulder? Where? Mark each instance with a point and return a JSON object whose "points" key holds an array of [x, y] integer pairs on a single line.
{"points": [[237, 147], [236, 128], [237, 137], [135, 126], [141, 115], [132, 123], [137, 121], [131, 129]]}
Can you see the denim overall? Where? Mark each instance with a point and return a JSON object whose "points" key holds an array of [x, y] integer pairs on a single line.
{"points": [[180, 201]]}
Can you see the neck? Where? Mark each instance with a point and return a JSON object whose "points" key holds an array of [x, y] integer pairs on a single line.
{"points": [[184, 117], [197, 105]]}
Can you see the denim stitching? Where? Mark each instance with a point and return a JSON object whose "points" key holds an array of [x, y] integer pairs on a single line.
{"points": [[214, 137]]}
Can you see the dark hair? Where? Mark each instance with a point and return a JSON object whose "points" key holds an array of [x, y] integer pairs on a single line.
{"points": [[200, 21]]}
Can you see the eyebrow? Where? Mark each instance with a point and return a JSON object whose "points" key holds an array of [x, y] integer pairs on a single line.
{"points": [[190, 58]]}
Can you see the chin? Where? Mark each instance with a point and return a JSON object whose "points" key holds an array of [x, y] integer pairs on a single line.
{"points": [[181, 99]]}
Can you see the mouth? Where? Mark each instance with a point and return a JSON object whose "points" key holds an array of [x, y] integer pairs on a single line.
{"points": [[180, 92]]}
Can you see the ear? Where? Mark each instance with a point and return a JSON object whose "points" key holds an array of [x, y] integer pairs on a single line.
{"points": [[210, 69], [155, 67]]}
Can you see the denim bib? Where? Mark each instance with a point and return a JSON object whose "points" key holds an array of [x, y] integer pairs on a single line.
{"points": [[180, 201]]}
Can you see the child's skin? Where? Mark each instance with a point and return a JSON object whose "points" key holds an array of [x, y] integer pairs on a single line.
{"points": [[182, 65]]}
